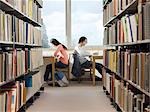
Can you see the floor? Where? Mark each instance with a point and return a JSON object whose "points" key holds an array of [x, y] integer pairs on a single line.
{"points": [[81, 97]]}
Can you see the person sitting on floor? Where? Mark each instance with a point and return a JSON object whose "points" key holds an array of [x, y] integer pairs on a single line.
{"points": [[61, 54]]}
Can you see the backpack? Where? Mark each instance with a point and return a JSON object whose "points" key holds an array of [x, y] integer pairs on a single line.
{"points": [[61, 79]]}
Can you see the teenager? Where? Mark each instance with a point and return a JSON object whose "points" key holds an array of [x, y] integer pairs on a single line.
{"points": [[84, 55], [61, 54]]}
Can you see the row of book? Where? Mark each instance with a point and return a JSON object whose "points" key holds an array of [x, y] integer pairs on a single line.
{"points": [[127, 100], [16, 30], [36, 54], [126, 31], [12, 65], [15, 63], [28, 7], [131, 66], [114, 8], [13, 97]]}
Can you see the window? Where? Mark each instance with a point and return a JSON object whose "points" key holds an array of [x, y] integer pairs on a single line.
{"points": [[87, 20], [54, 21], [86, 17]]}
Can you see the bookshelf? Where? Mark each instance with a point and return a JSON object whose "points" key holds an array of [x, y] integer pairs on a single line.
{"points": [[130, 82], [127, 54], [129, 8], [18, 45], [5, 6], [131, 43], [20, 54]]}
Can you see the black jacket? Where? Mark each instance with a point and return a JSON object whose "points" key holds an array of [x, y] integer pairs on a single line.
{"points": [[76, 68]]}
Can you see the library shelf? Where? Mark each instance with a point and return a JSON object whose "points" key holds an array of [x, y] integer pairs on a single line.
{"points": [[20, 77], [131, 8], [113, 101], [139, 88], [17, 44], [139, 42], [30, 100], [130, 82], [13, 11], [6, 46], [12, 81], [32, 45]]}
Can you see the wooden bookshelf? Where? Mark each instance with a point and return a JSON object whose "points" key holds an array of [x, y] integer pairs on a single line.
{"points": [[131, 8], [11, 10]]}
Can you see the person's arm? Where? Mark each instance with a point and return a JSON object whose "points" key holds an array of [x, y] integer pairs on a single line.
{"points": [[58, 50]]}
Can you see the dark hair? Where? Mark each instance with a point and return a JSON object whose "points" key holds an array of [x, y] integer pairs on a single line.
{"points": [[82, 39], [56, 43]]}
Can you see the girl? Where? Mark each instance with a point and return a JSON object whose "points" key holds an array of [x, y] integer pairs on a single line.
{"points": [[61, 54]]}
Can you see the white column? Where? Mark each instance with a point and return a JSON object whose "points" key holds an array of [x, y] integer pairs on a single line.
{"points": [[68, 22]]}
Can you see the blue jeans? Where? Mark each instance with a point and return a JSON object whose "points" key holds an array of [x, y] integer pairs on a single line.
{"points": [[49, 69]]}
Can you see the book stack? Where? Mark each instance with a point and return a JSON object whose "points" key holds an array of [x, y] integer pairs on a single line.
{"points": [[16, 63], [131, 66], [6, 27], [36, 54], [14, 29], [129, 28], [12, 99], [123, 31], [114, 8], [126, 99], [27, 7]]}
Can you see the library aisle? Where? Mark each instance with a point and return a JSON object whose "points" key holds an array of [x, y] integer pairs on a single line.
{"points": [[81, 97]]}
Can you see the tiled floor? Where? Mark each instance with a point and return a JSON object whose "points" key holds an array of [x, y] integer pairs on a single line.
{"points": [[81, 97]]}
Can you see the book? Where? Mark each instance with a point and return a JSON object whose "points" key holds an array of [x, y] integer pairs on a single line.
{"points": [[123, 31], [126, 99], [134, 27], [146, 20], [28, 7], [18, 62], [130, 63], [147, 73], [114, 8], [13, 98], [14, 61], [14, 29], [131, 66]]}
